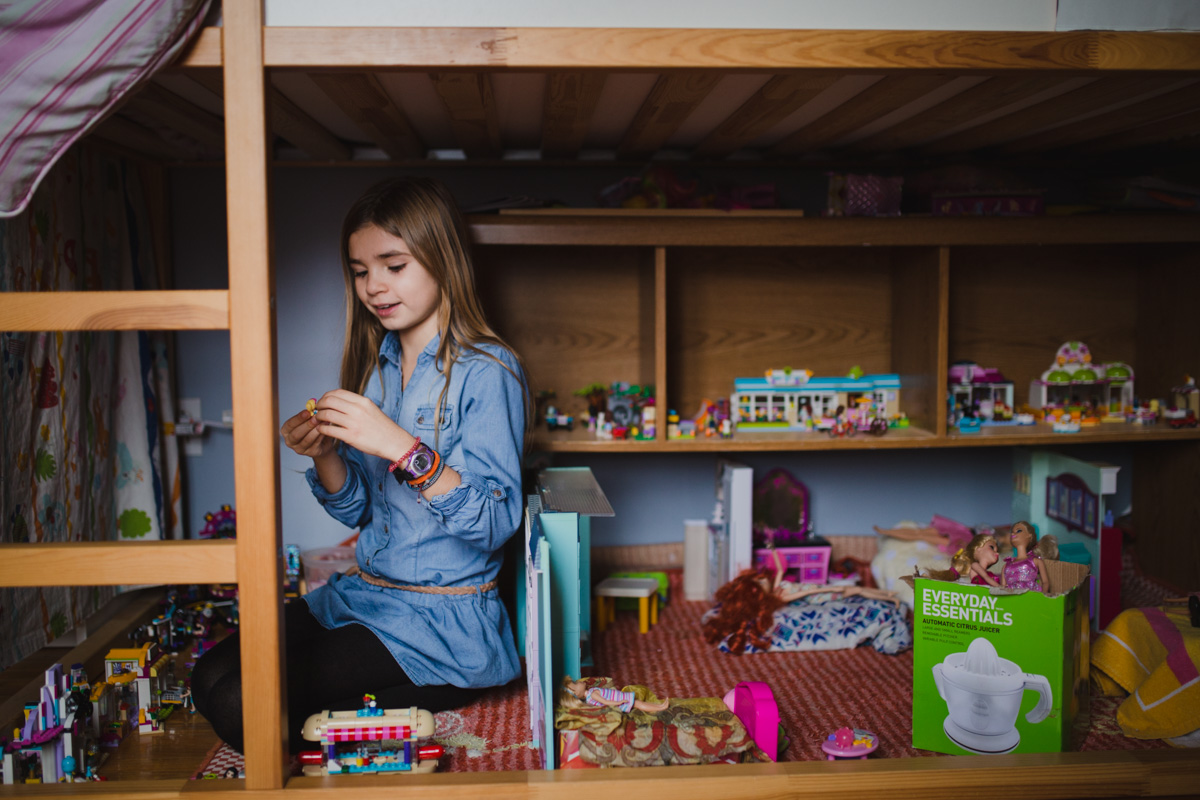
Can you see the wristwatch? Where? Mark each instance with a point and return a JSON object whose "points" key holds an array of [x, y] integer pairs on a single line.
{"points": [[420, 463]]}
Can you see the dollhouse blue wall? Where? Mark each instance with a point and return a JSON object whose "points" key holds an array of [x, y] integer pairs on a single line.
{"points": [[651, 494]]}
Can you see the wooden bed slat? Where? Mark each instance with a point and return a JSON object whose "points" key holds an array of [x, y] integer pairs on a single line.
{"points": [[875, 101], [778, 98], [176, 113], [197, 310], [288, 121], [126, 133], [118, 563], [1117, 120], [469, 99], [963, 108], [1180, 127], [671, 101], [1047, 113], [362, 97], [567, 111]]}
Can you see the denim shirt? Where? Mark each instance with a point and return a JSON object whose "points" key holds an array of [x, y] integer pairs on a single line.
{"points": [[455, 539]]}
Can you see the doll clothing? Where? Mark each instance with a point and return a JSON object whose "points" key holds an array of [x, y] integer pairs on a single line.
{"points": [[977, 580], [605, 693], [1022, 573]]}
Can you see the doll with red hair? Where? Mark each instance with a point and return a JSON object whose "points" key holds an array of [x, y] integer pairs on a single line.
{"points": [[747, 604]]}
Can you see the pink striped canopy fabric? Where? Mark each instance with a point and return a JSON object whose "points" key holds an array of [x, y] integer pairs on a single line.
{"points": [[65, 64], [368, 733]]}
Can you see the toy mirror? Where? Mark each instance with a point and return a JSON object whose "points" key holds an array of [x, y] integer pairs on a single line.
{"points": [[780, 514]]}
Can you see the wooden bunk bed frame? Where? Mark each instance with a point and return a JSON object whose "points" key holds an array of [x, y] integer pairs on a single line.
{"points": [[243, 50]]}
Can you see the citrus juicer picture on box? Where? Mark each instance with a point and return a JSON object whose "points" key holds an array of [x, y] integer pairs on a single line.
{"points": [[983, 694]]}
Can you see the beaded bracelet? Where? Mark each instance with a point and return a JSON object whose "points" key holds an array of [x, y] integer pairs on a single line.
{"points": [[399, 462], [437, 473]]}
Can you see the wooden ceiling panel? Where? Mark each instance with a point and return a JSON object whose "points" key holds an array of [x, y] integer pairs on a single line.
{"points": [[469, 100], [963, 108], [287, 121], [875, 101], [362, 98], [671, 101], [571, 99], [1116, 120], [777, 99]]}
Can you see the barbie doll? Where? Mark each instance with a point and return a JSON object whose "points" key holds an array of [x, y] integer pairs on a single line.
{"points": [[972, 561], [1026, 570]]}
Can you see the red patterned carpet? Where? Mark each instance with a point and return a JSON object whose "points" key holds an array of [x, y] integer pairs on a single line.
{"points": [[816, 692]]}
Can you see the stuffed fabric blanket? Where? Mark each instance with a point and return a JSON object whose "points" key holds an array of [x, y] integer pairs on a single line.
{"points": [[814, 623], [1155, 656], [693, 730]]}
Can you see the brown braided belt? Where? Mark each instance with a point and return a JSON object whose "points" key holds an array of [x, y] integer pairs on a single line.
{"points": [[375, 580]]}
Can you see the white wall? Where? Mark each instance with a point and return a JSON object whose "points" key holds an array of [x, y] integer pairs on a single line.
{"points": [[978, 15]]}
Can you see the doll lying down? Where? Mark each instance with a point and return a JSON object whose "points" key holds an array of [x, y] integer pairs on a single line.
{"points": [[757, 613]]}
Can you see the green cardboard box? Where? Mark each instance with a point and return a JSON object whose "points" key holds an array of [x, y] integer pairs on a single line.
{"points": [[1001, 672]]}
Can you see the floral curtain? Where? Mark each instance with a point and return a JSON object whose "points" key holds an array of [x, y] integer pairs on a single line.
{"points": [[84, 458]]}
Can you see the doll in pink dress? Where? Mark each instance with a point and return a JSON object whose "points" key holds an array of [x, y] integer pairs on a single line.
{"points": [[1025, 570]]}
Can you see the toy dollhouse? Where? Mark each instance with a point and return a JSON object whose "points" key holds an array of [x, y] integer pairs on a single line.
{"points": [[794, 400], [981, 392], [1074, 383]]}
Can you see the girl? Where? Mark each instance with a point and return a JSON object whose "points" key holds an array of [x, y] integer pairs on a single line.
{"points": [[420, 449]]}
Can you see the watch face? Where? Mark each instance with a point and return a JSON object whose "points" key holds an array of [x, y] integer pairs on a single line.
{"points": [[421, 463]]}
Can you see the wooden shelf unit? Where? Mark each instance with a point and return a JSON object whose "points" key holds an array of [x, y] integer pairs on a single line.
{"points": [[689, 304]]}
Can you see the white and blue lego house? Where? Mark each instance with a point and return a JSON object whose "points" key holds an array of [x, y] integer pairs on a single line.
{"points": [[794, 400]]}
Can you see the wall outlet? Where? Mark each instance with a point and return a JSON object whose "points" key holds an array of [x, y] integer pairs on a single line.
{"points": [[189, 408]]}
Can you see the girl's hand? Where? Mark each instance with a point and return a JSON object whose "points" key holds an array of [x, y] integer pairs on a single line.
{"points": [[304, 438], [355, 420]]}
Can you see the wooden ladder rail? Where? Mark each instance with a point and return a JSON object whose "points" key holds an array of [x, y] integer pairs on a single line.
{"points": [[253, 362]]}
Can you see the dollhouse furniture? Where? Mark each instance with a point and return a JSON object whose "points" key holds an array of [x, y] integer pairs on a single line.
{"points": [[782, 524], [644, 589], [849, 743], [650, 295], [807, 563]]}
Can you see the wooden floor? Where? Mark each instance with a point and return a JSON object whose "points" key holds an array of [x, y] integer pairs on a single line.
{"points": [[178, 752]]}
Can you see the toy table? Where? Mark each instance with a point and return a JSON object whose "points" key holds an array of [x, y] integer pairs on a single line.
{"points": [[644, 589], [847, 743]]}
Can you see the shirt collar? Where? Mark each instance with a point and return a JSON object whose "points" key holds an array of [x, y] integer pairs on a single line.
{"points": [[390, 347]]}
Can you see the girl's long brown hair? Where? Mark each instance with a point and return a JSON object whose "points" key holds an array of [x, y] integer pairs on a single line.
{"points": [[422, 212]]}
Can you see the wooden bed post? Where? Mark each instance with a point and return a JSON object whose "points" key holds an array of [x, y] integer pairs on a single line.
{"points": [[252, 355]]}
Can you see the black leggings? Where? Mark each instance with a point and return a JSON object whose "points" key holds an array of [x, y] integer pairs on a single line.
{"points": [[326, 669]]}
